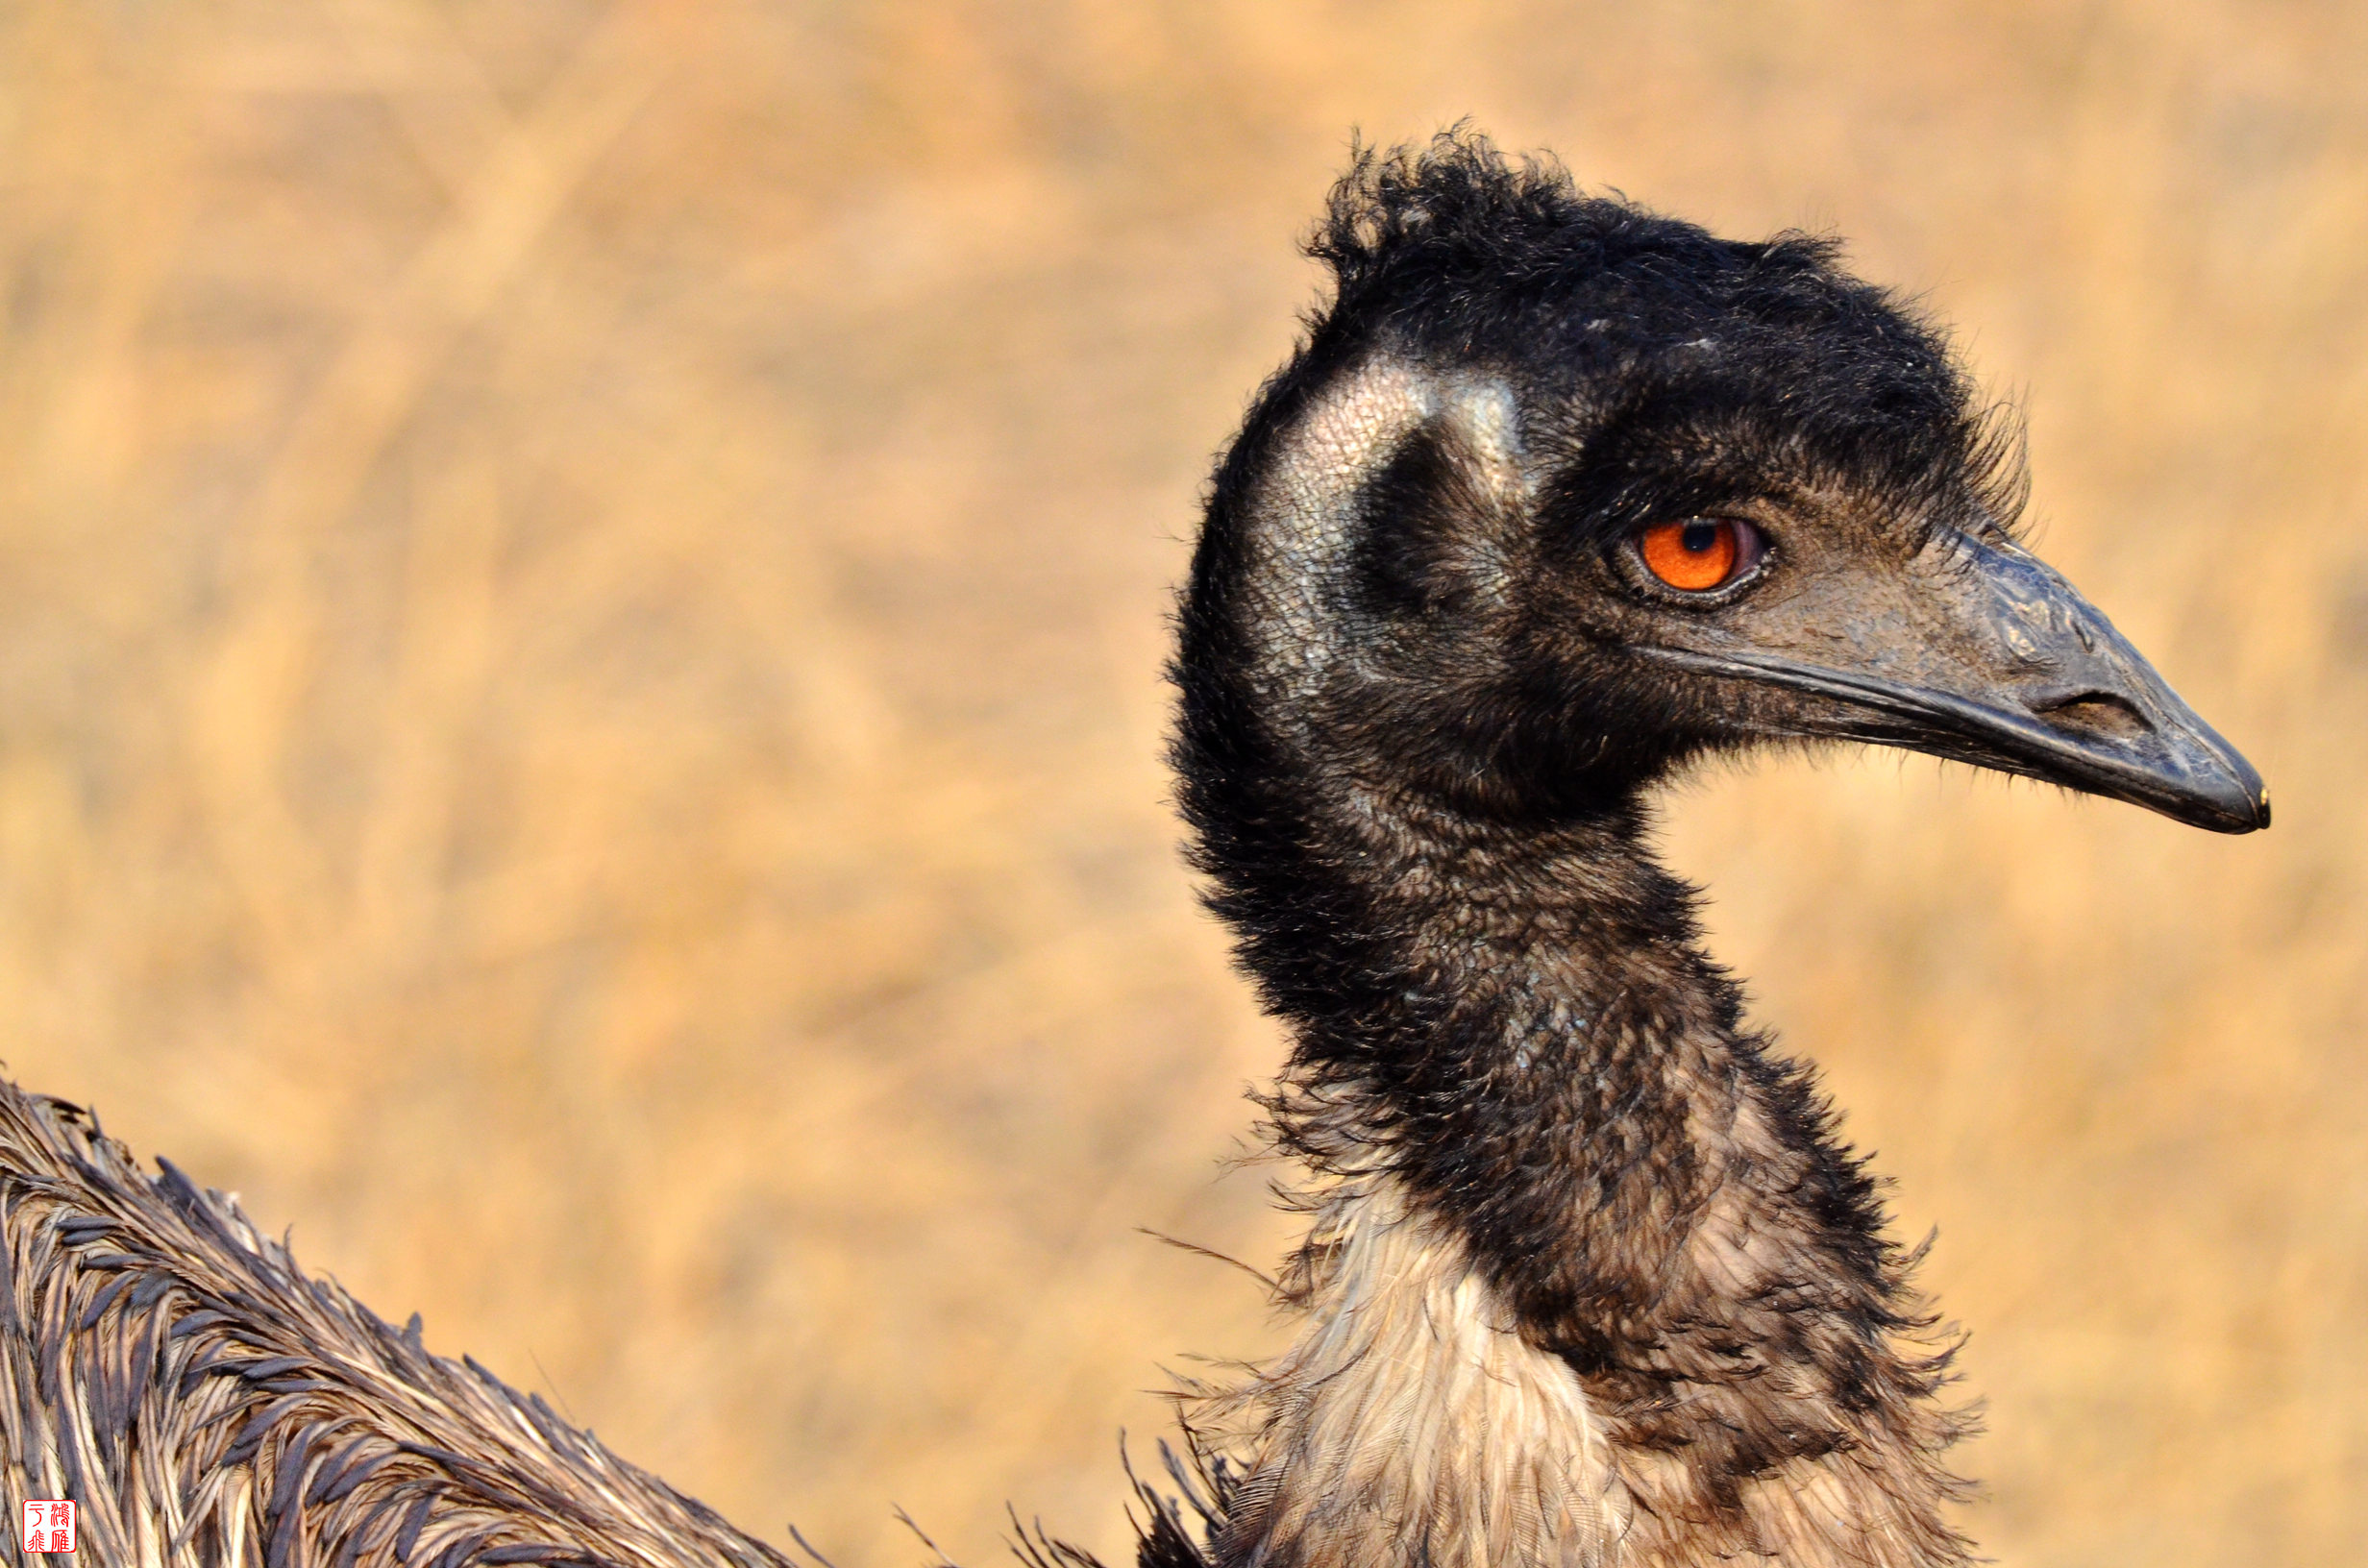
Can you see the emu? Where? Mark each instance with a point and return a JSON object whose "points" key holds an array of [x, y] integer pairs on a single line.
{"points": [[1555, 499]]}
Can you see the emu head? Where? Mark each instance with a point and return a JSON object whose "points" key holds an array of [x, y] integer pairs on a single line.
{"points": [[1559, 493]]}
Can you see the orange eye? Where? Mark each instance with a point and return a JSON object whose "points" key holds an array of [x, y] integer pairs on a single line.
{"points": [[1701, 552]]}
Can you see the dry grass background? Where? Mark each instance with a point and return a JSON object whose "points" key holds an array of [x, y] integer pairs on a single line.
{"points": [[581, 597]]}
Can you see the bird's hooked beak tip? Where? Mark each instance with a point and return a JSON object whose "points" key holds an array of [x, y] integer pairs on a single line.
{"points": [[2240, 805], [2250, 816]]}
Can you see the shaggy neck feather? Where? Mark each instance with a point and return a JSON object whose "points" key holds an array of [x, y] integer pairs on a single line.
{"points": [[1509, 1042]]}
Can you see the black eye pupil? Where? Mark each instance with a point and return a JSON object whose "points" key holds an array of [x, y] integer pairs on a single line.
{"points": [[1699, 538]]}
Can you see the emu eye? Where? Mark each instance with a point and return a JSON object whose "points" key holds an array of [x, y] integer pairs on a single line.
{"points": [[1701, 552]]}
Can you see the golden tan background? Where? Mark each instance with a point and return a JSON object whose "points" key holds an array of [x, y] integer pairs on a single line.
{"points": [[582, 587]]}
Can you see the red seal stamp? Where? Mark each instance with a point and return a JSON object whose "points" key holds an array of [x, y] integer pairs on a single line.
{"points": [[49, 1526]]}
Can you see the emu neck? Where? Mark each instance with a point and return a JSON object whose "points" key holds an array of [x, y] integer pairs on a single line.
{"points": [[1547, 1059], [1627, 1281], [1548, 1062]]}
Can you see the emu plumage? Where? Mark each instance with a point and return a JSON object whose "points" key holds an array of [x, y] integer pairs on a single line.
{"points": [[209, 1405]]}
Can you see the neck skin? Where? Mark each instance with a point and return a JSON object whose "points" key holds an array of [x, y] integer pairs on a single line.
{"points": [[1590, 1281]]}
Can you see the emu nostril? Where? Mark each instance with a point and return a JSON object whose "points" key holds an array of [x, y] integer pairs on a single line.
{"points": [[2095, 713]]}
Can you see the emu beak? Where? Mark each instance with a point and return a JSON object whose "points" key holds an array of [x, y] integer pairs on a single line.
{"points": [[1991, 658]]}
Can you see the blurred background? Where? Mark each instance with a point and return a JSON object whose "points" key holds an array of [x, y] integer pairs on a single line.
{"points": [[581, 595]]}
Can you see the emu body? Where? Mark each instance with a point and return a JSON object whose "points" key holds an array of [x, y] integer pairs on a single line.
{"points": [[211, 1405]]}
